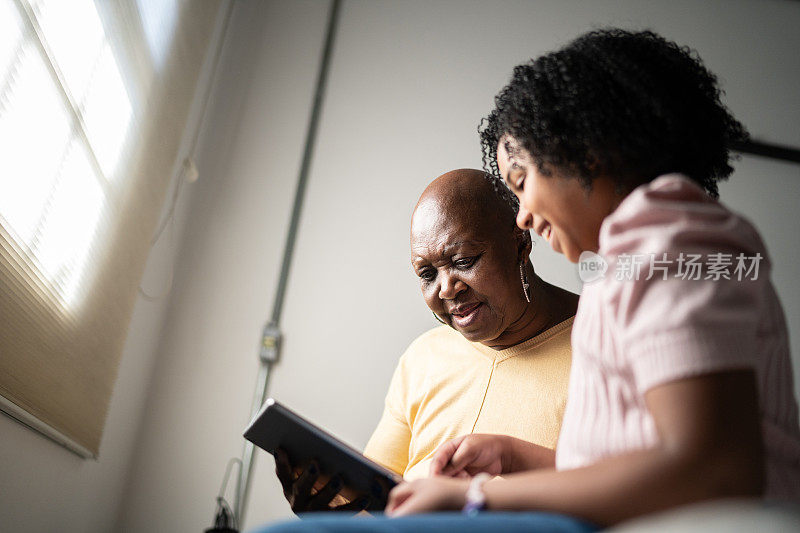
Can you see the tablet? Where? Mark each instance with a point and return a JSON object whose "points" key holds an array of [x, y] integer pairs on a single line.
{"points": [[277, 426]]}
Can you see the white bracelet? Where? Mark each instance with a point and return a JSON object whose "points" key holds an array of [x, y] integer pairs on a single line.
{"points": [[475, 498]]}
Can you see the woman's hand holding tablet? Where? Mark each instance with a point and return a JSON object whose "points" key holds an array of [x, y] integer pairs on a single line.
{"points": [[317, 471]]}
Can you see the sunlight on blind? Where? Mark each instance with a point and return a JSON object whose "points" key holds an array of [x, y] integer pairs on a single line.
{"points": [[91, 129], [64, 120], [91, 74], [158, 21]]}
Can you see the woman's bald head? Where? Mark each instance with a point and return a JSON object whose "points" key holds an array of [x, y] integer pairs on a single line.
{"points": [[467, 194], [467, 251]]}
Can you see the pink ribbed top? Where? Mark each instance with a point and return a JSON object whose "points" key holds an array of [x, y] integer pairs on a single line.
{"points": [[632, 334]]}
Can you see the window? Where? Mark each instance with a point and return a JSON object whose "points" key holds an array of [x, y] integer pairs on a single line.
{"points": [[64, 119], [94, 100]]}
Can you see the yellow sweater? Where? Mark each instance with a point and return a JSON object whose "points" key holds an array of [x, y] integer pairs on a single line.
{"points": [[445, 386]]}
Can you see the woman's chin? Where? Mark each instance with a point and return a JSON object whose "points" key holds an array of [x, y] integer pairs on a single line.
{"points": [[554, 242], [483, 333], [573, 256], [470, 331], [474, 332], [472, 336], [570, 252]]}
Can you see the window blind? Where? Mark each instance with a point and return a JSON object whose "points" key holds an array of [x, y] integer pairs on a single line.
{"points": [[92, 112]]}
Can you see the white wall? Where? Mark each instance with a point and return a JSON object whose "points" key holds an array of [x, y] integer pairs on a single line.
{"points": [[409, 83]]}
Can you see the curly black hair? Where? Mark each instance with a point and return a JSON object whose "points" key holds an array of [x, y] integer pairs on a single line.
{"points": [[628, 105]]}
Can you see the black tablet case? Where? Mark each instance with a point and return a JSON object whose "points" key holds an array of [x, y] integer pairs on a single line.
{"points": [[276, 426]]}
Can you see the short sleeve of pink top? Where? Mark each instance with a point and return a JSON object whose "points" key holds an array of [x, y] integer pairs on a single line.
{"points": [[648, 321]]}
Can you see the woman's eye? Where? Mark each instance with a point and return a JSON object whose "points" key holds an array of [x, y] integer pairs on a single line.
{"points": [[466, 262], [517, 181], [427, 275]]}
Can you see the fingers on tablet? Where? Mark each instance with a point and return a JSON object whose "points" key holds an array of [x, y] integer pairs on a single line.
{"points": [[283, 469], [301, 491], [322, 499], [356, 506]]}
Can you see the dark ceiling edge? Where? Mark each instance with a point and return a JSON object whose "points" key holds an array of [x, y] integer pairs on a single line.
{"points": [[774, 151]]}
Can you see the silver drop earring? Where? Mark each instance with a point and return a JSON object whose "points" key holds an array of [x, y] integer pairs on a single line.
{"points": [[525, 283]]}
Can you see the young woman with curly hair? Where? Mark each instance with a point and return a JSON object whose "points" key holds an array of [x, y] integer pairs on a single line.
{"points": [[680, 388]]}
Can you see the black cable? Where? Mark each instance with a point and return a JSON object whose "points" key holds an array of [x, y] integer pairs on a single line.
{"points": [[224, 518]]}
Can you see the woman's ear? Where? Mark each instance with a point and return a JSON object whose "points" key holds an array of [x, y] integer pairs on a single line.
{"points": [[524, 243]]}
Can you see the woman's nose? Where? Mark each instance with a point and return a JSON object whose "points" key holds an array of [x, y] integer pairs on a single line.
{"points": [[450, 287], [524, 218]]}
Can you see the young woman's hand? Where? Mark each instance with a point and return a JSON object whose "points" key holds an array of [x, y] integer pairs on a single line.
{"points": [[427, 495]]}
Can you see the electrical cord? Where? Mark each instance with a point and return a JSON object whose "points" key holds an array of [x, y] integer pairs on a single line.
{"points": [[224, 518]]}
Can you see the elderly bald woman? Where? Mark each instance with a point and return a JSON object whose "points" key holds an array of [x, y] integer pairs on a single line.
{"points": [[499, 364]]}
